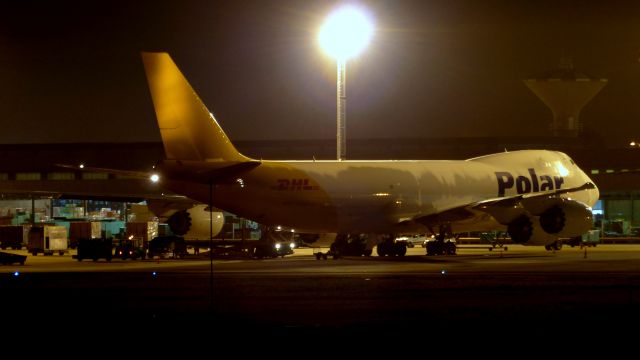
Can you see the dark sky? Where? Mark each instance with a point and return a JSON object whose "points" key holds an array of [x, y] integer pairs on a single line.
{"points": [[71, 71]]}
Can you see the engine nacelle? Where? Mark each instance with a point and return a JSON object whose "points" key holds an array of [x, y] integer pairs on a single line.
{"points": [[567, 219], [526, 230], [194, 223], [317, 240], [190, 222], [563, 218]]}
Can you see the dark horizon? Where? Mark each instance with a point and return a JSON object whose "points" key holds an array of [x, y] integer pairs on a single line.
{"points": [[72, 71]]}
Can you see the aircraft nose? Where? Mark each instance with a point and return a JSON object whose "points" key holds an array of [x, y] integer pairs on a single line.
{"points": [[595, 194]]}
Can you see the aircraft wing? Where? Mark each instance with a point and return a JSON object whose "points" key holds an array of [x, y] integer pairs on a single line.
{"points": [[502, 209], [130, 186]]}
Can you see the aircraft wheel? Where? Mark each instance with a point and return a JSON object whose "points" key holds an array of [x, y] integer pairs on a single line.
{"points": [[383, 249], [450, 248], [400, 249]]}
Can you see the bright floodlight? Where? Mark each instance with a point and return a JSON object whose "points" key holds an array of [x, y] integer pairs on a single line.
{"points": [[345, 33]]}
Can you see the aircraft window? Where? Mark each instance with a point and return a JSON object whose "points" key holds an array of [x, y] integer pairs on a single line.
{"points": [[595, 171], [28, 176], [4, 176]]}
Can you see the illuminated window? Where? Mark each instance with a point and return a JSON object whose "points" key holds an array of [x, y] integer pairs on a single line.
{"points": [[60, 176], [595, 171], [95, 176], [4, 176], [28, 176]]}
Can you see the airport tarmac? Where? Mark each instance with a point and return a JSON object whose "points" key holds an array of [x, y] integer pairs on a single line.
{"points": [[527, 291]]}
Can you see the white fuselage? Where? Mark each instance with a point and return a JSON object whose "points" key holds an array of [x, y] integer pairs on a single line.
{"points": [[375, 196]]}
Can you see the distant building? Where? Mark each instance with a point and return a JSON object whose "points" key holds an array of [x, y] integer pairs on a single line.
{"points": [[565, 91]]}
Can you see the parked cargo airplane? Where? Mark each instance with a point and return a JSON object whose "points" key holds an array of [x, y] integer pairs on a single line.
{"points": [[538, 196]]}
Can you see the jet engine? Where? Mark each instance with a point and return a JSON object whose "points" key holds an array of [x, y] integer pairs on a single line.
{"points": [[567, 219], [179, 222], [194, 223], [564, 218]]}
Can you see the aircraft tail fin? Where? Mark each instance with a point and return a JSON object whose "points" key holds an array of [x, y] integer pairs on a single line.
{"points": [[189, 131]]}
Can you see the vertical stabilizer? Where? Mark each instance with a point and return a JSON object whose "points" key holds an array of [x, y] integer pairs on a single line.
{"points": [[189, 131]]}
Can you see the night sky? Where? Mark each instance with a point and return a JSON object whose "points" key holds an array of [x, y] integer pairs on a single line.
{"points": [[71, 71]]}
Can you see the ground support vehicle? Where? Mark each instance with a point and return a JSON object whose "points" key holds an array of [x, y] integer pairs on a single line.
{"points": [[167, 247], [9, 258], [130, 249], [272, 250], [347, 245], [591, 238], [101, 248], [273, 243]]}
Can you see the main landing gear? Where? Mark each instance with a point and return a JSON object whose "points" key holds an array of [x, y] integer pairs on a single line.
{"points": [[556, 245], [389, 247], [346, 245], [441, 244]]}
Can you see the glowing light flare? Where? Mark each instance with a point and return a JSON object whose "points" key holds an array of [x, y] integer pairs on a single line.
{"points": [[562, 170], [345, 33], [154, 178]]}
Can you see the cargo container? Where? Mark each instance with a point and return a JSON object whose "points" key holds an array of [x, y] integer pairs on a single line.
{"points": [[11, 236], [83, 230], [47, 240], [144, 231]]}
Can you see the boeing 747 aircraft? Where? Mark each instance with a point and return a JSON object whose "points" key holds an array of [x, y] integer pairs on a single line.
{"points": [[538, 196]]}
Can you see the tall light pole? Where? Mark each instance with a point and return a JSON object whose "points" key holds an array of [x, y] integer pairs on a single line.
{"points": [[345, 33]]}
